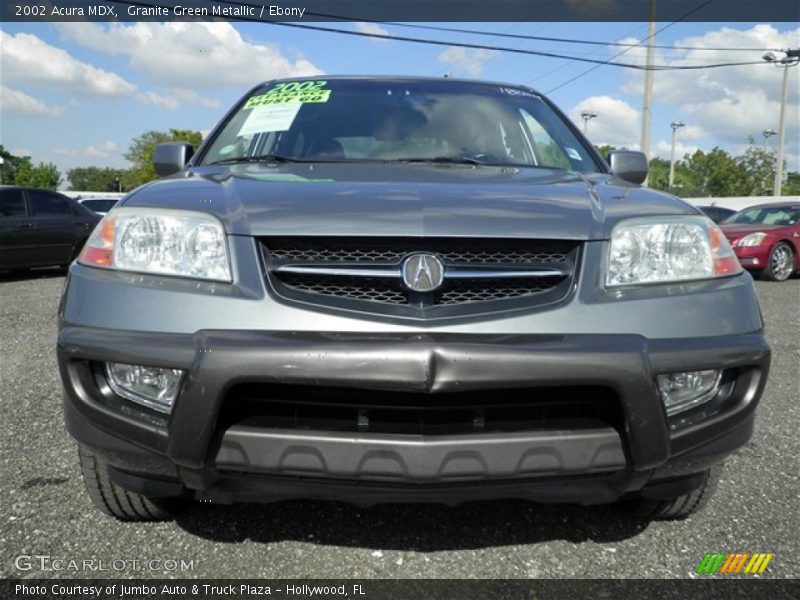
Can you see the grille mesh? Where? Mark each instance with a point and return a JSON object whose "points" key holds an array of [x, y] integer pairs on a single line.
{"points": [[389, 252], [394, 250], [483, 291], [375, 290]]}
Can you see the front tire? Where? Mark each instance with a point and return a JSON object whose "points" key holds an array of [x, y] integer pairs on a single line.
{"points": [[676, 508], [780, 264], [113, 500]]}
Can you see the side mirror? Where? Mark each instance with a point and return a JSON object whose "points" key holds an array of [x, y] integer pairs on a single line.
{"points": [[171, 157], [629, 165]]}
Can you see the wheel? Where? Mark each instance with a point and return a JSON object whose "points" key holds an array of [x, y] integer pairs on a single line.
{"points": [[781, 263], [676, 508], [114, 500]]}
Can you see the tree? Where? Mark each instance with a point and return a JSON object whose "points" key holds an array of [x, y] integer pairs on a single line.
{"points": [[758, 165], [140, 152], [10, 166], [658, 174], [792, 185], [604, 149], [715, 174], [97, 179], [44, 176]]}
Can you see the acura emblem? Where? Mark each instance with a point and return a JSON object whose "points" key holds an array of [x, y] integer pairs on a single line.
{"points": [[422, 272]]}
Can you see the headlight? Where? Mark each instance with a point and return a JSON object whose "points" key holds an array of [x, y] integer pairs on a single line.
{"points": [[665, 249], [161, 241], [753, 239]]}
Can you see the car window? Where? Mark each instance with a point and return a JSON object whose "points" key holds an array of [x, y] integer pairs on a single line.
{"points": [[12, 203], [772, 215], [543, 147], [100, 205], [388, 120], [780, 217], [44, 204]]}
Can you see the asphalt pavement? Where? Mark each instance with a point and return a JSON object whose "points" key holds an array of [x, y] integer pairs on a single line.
{"points": [[46, 512]]}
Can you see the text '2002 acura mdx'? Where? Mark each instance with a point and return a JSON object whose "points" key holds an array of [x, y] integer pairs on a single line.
{"points": [[392, 289]]}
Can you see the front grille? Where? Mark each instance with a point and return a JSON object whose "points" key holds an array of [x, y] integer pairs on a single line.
{"points": [[375, 290], [311, 408], [478, 273], [477, 251], [459, 292]]}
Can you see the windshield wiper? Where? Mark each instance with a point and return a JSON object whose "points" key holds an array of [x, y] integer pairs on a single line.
{"points": [[471, 160], [455, 160], [257, 158]]}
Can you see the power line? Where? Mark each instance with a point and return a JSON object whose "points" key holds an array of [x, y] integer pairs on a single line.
{"points": [[504, 34], [594, 68], [479, 46], [491, 56], [564, 64], [506, 49], [566, 40], [483, 62]]}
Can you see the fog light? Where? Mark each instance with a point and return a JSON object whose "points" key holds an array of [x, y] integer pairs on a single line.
{"points": [[153, 387], [682, 391]]}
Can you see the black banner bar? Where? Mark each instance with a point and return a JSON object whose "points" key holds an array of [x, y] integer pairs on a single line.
{"points": [[707, 588], [785, 11]]}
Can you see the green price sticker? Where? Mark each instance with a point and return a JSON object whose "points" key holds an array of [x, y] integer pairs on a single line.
{"points": [[293, 91]]}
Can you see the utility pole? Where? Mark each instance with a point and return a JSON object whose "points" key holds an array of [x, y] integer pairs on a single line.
{"points": [[644, 146], [675, 126], [791, 59], [587, 116], [767, 133]]}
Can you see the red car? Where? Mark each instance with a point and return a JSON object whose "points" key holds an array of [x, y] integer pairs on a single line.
{"points": [[766, 239]]}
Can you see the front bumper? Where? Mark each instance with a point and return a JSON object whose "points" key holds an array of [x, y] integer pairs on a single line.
{"points": [[753, 258], [577, 461]]}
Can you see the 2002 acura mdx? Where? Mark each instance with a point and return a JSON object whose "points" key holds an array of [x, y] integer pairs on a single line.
{"points": [[395, 289]]}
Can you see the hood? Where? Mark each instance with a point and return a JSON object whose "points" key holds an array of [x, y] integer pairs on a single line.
{"points": [[377, 199]]}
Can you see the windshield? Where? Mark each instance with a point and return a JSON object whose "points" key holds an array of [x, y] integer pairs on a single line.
{"points": [[767, 215], [384, 120]]}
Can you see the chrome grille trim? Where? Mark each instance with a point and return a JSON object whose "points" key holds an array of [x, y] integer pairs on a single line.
{"points": [[366, 274], [450, 272]]}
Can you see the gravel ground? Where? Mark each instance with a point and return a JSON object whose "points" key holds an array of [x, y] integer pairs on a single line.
{"points": [[46, 512]]}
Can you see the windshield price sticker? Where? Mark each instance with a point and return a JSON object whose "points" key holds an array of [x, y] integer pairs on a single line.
{"points": [[270, 117], [293, 91]]}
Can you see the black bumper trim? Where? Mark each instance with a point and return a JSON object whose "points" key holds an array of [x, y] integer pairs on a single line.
{"points": [[422, 362], [421, 458]]}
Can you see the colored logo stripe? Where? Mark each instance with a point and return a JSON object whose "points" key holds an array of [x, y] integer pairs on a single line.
{"points": [[710, 563], [734, 562], [758, 563]]}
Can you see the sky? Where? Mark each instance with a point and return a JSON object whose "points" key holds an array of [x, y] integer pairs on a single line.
{"points": [[76, 94]]}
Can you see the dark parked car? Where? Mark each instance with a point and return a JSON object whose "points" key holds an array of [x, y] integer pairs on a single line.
{"points": [[99, 205], [717, 213], [766, 239], [396, 289], [41, 228]]}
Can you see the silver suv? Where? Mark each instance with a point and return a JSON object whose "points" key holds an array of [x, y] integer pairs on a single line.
{"points": [[396, 289]]}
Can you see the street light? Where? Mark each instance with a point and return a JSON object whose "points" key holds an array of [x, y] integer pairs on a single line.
{"points": [[791, 59], [767, 133], [675, 126], [587, 116]]}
